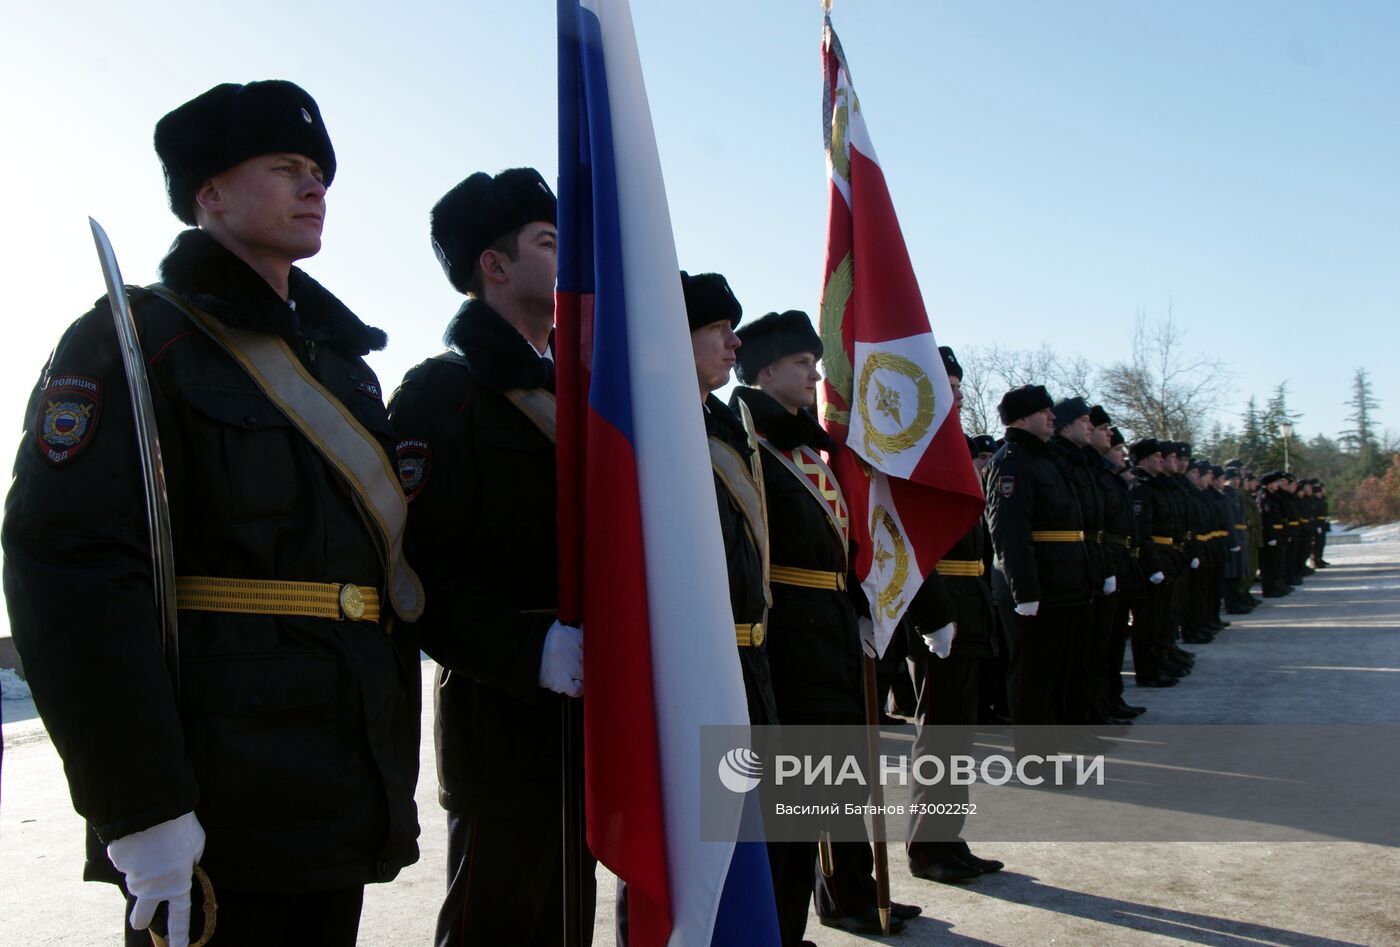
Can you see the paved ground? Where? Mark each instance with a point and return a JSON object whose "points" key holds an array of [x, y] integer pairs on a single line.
{"points": [[1330, 653]]}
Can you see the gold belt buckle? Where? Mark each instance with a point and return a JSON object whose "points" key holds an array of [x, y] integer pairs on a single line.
{"points": [[352, 602]]}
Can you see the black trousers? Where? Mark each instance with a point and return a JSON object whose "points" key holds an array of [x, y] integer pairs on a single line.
{"points": [[505, 882], [1039, 665], [946, 719], [1124, 607], [255, 919]]}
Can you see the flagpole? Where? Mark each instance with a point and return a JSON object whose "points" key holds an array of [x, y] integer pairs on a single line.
{"points": [[572, 724], [877, 795]]}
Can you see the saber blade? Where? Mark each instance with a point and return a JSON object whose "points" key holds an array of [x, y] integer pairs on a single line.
{"points": [[148, 447]]}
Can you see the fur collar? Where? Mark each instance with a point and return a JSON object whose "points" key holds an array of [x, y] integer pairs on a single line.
{"points": [[784, 430], [497, 355], [216, 281]]}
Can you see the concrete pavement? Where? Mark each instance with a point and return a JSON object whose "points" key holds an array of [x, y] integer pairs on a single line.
{"points": [[1330, 653]]}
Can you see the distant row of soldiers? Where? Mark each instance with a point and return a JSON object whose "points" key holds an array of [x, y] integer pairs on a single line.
{"points": [[1095, 543]]}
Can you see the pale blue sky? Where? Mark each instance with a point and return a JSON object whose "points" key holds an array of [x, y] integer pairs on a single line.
{"points": [[1057, 166]]}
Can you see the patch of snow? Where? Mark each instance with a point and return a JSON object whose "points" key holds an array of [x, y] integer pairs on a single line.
{"points": [[12, 686], [1388, 533]]}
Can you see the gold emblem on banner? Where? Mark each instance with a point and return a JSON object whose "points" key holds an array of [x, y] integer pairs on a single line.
{"points": [[887, 401], [835, 361], [840, 120], [891, 597]]}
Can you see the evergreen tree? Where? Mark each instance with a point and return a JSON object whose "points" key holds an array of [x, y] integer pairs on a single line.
{"points": [[1252, 442], [1276, 414], [1360, 440]]}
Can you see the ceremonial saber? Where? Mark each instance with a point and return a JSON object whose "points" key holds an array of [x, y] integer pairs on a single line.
{"points": [[148, 447], [157, 505]]}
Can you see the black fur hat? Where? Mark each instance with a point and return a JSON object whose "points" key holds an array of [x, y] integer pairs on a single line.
{"points": [[1116, 437], [1022, 402], [230, 124], [982, 444], [482, 209], [950, 361], [1069, 410], [1145, 448], [773, 336], [708, 299], [1099, 416]]}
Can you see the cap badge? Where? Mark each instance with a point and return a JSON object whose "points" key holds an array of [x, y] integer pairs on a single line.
{"points": [[305, 116]]}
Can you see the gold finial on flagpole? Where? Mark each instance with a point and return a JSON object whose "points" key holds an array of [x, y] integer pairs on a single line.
{"points": [[826, 7]]}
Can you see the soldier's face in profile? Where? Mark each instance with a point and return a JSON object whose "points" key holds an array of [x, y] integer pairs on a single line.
{"points": [[714, 347], [1099, 439], [792, 380], [1079, 431], [267, 209]]}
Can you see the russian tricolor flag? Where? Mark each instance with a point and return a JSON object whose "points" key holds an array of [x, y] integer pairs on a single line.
{"points": [[642, 561]]}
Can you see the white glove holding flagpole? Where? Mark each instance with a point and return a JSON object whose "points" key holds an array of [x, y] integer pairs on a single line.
{"points": [[867, 636], [159, 864], [940, 642], [561, 661]]}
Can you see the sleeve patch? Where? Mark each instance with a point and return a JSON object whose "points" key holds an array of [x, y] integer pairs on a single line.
{"points": [[1137, 506], [413, 458], [1008, 486], [66, 420]]}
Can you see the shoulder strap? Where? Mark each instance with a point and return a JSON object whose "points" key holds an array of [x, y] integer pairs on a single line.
{"points": [[537, 404], [738, 482], [354, 453], [812, 472]]}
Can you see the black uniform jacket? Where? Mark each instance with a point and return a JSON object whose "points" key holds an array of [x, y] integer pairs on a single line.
{"points": [[1169, 521], [1027, 493], [1121, 543], [480, 478], [1077, 464], [813, 639], [744, 560], [295, 740], [963, 599]]}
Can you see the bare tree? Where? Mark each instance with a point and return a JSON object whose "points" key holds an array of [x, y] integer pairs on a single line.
{"points": [[993, 370], [1162, 391]]}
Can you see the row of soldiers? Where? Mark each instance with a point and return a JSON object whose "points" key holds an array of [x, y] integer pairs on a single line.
{"points": [[281, 755], [1095, 542]]}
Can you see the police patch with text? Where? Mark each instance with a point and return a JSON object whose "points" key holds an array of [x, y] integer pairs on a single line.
{"points": [[414, 457], [66, 419]]}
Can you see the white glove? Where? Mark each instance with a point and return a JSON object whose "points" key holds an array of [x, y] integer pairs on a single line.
{"points": [[1234, 548], [1195, 563], [561, 662], [1028, 609], [1110, 585], [1156, 578], [867, 636], [1273, 542], [158, 863], [940, 642]]}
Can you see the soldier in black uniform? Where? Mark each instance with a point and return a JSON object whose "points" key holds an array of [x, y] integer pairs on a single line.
{"points": [[284, 762], [1121, 547], [1274, 526], [1237, 565], [1041, 573], [1320, 518], [1161, 523], [1074, 428], [951, 626], [813, 638], [476, 458]]}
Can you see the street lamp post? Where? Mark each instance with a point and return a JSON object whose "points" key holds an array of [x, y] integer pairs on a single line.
{"points": [[1286, 429]]}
